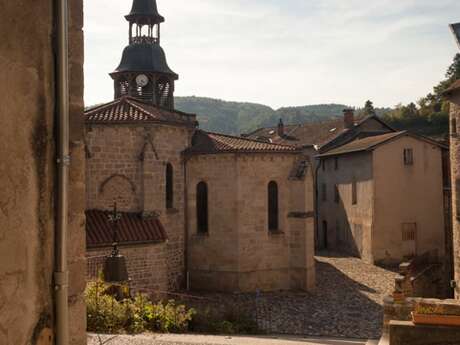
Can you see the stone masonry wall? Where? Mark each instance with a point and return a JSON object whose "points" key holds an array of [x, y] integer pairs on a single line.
{"points": [[455, 176], [146, 264], [128, 165], [264, 255], [239, 253], [212, 257], [27, 168]]}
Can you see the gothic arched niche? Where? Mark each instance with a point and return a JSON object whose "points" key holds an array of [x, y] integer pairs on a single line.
{"points": [[120, 189], [163, 91]]}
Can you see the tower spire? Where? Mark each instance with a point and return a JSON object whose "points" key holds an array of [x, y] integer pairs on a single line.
{"points": [[143, 72], [144, 13]]}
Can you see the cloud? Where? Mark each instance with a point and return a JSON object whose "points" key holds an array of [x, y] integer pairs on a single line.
{"points": [[285, 52]]}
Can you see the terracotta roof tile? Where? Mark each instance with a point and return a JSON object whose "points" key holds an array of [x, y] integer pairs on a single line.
{"points": [[132, 228], [324, 135], [454, 87], [130, 110], [364, 144], [305, 134], [209, 143]]}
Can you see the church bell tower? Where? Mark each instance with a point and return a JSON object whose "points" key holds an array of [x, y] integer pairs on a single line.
{"points": [[143, 72]]}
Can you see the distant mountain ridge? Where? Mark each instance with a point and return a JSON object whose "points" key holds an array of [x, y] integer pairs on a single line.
{"points": [[243, 117]]}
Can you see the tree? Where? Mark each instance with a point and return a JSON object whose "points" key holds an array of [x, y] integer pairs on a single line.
{"points": [[369, 109]]}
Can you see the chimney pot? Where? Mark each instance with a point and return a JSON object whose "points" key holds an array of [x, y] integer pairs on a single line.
{"points": [[349, 118], [281, 128]]}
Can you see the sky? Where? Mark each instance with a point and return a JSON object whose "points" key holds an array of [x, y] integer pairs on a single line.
{"points": [[285, 52]]}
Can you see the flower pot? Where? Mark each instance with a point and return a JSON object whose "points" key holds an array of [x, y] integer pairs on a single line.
{"points": [[433, 319]]}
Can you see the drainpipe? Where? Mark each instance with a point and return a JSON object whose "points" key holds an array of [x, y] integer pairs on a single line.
{"points": [[186, 271], [61, 275], [316, 205]]}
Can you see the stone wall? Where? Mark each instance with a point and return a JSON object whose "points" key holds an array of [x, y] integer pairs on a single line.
{"points": [[27, 167], [127, 164], [455, 178], [239, 253], [146, 263]]}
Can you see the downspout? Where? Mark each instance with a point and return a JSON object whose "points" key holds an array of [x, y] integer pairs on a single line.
{"points": [[61, 275], [316, 205], [186, 272]]}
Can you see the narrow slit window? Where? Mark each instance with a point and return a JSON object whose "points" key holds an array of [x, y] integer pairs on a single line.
{"points": [[354, 192], [453, 124], [273, 209], [324, 192], [336, 194], [202, 207], [408, 157], [169, 186]]}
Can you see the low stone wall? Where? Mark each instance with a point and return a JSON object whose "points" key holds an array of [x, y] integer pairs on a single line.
{"points": [[147, 268], [405, 333]]}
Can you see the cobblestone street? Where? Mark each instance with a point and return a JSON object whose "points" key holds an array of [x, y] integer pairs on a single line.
{"points": [[348, 301], [347, 304]]}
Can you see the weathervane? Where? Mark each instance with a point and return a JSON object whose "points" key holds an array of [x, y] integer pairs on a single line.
{"points": [[114, 217]]}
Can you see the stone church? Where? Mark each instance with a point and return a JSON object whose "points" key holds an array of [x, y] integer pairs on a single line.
{"points": [[199, 210]]}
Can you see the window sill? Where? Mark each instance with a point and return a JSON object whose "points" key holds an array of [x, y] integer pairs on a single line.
{"points": [[172, 211], [275, 232], [201, 234]]}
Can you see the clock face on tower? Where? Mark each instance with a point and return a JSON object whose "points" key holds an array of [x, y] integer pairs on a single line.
{"points": [[142, 80]]}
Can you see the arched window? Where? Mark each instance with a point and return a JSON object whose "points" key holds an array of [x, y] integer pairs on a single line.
{"points": [[202, 207], [163, 92], [169, 186], [273, 221]]}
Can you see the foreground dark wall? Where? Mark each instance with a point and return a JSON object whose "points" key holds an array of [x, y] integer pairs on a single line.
{"points": [[27, 173]]}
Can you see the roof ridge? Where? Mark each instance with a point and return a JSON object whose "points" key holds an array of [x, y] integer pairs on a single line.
{"points": [[101, 106], [246, 139], [132, 103]]}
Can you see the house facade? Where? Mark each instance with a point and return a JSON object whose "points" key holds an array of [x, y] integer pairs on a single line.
{"points": [[381, 198], [371, 202], [201, 210]]}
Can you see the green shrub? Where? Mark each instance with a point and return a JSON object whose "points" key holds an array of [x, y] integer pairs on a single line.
{"points": [[106, 314]]}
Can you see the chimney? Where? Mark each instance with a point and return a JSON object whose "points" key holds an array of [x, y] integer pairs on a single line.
{"points": [[348, 118], [281, 128]]}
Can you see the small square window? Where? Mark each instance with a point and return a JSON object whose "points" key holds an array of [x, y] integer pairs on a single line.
{"points": [[408, 157]]}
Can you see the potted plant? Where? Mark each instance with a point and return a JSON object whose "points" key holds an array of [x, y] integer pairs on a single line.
{"points": [[437, 312]]}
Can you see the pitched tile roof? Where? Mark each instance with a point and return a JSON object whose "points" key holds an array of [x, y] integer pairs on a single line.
{"points": [[364, 144], [132, 228], [454, 87], [129, 110], [305, 134], [212, 143], [324, 135]]}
